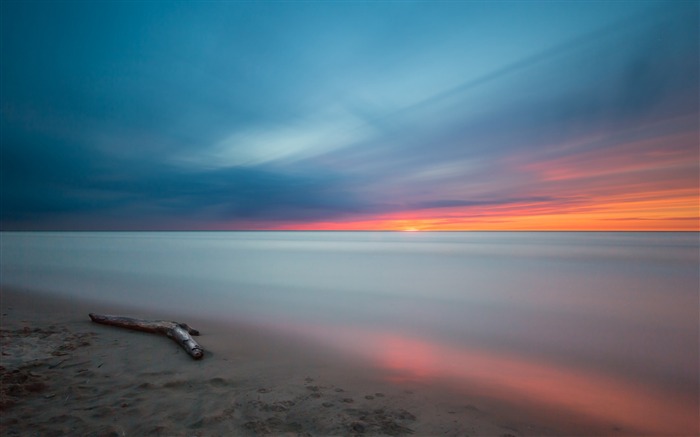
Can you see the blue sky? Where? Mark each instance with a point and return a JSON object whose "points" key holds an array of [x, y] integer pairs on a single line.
{"points": [[251, 115]]}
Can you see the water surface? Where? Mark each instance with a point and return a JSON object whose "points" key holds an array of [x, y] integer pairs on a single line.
{"points": [[599, 326]]}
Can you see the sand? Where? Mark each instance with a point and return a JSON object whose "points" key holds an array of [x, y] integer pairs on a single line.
{"points": [[63, 375]]}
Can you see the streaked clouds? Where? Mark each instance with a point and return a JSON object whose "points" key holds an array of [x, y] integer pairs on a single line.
{"points": [[350, 115], [287, 142]]}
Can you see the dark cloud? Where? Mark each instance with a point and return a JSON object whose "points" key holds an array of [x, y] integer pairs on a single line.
{"points": [[96, 185]]}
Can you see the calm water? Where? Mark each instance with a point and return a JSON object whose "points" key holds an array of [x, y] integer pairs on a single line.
{"points": [[603, 325]]}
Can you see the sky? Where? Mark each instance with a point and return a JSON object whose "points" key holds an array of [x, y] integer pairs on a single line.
{"points": [[350, 115]]}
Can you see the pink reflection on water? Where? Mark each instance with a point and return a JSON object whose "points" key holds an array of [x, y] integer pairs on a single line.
{"points": [[406, 359], [536, 384], [499, 375]]}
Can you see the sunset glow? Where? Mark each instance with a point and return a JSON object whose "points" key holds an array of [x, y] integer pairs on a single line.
{"points": [[670, 214]]}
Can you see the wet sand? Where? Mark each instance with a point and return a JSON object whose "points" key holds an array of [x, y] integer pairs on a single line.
{"points": [[63, 375]]}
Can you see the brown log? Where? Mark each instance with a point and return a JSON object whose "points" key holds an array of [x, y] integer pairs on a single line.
{"points": [[180, 332]]}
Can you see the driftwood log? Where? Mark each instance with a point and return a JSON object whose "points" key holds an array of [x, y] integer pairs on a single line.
{"points": [[180, 332]]}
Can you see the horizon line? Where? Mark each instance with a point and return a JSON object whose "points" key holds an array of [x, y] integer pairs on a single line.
{"points": [[417, 231]]}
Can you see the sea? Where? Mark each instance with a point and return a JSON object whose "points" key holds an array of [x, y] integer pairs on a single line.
{"points": [[604, 325]]}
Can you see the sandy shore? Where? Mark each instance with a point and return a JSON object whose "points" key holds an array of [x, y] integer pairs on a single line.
{"points": [[63, 375]]}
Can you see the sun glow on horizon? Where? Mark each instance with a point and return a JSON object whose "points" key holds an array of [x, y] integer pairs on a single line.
{"points": [[678, 214]]}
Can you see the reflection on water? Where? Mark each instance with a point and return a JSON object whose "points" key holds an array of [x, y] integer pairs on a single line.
{"points": [[600, 325], [525, 382]]}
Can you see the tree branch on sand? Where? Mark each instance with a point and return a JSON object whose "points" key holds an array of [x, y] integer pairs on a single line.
{"points": [[180, 332]]}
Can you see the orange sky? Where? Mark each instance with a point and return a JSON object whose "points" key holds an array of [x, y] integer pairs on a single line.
{"points": [[645, 184], [663, 212]]}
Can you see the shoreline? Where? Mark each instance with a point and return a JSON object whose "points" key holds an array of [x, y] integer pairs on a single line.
{"points": [[63, 375]]}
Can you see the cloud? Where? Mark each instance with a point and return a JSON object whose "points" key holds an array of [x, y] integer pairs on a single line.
{"points": [[56, 181], [447, 203], [301, 117], [287, 142]]}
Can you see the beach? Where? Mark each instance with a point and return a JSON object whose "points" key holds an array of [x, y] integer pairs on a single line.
{"points": [[63, 375]]}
